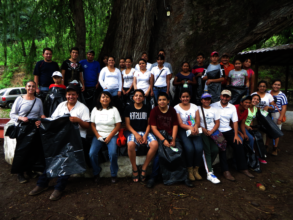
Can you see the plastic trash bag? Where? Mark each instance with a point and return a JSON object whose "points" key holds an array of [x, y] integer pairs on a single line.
{"points": [[172, 164], [62, 147], [42, 95], [90, 96], [252, 160], [259, 144], [214, 88], [237, 93], [152, 102], [28, 154], [54, 97], [268, 126], [198, 91]]}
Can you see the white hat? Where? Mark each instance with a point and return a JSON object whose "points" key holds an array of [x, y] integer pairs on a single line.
{"points": [[57, 73]]}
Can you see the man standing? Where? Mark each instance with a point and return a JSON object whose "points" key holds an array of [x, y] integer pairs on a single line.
{"points": [[227, 67], [149, 66], [166, 64], [91, 71], [43, 71], [228, 113]]}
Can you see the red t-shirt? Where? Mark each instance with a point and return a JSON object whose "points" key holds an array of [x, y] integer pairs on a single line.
{"points": [[227, 70], [164, 121], [60, 86], [242, 115]]}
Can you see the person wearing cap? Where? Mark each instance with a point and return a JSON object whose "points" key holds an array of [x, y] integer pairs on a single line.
{"points": [[209, 122], [228, 113], [57, 78], [213, 76], [227, 67], [91, 71], [79, 114]]}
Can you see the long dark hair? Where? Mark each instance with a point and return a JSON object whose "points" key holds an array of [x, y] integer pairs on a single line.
{"points": [[99, 105]]}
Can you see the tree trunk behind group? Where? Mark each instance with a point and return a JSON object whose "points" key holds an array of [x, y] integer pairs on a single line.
{"points": [[194, 26]]}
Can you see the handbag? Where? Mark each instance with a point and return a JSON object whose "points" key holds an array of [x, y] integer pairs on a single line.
{"points": [[217, 136], [13, 131]]}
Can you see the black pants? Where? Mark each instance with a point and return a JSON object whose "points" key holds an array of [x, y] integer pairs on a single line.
{"points": [[239, 153]]}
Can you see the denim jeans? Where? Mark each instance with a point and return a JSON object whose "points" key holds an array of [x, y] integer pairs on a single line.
{"points": [[61, 183], [112, 150], [193, 148], [157, 90], [43, 89], [251, 140], [113, 92]]}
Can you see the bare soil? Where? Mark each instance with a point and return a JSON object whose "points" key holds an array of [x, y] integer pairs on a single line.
{"points": [[82, 199], [17, 79]]}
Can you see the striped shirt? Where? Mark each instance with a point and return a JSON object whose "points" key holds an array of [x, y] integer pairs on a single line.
{"points": [[280, 100]]}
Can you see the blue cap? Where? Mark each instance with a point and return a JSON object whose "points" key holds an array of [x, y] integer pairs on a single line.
{"points": [[206, 95]]}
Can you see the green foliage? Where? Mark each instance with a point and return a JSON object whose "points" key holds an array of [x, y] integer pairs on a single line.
{"points": [[7, 76], [4, 113]]}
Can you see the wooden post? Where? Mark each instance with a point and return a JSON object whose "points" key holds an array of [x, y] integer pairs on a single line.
{"points": [[256, 77], [287, 79]]}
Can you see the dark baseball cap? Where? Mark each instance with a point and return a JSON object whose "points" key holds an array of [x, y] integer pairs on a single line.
{"points": [[72, 87], [246, 97], [225, 55], [91, 51]]}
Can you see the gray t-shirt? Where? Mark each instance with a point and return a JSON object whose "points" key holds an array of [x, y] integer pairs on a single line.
{"points": [[166, 64], [21, 107], [237, 77]]}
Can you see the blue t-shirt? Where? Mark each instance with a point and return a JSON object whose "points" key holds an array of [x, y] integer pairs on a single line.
{"points": [[45, 71], [90, 72]]}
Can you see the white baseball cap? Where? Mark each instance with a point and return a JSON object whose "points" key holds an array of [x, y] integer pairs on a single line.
{"points": [[57, 73]]}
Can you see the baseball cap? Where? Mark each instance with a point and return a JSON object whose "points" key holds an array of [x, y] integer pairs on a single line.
{"points": [[206, 95], [57, 73], [71, 87], [246, 97], [213, 53], [91, 51], [225, 55], [226, 92]]}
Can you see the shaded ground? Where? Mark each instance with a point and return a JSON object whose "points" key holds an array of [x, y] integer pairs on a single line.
{"points": [[83, 199]]}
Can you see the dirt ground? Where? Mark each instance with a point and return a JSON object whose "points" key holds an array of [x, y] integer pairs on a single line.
{"points": [[83, 199]]}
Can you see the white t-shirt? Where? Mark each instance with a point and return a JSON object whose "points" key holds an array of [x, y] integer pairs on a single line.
{"points": [[211, 115], [105, 120], [226, 114], [187, 117], [110, 80], [79, 111], [143, 80], [148, 67], [161, 81], [128, 78], [265, 101]]}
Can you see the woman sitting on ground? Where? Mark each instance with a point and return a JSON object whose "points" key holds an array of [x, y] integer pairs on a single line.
{"points": [[105, 123], [189, 121], [142, 78]]}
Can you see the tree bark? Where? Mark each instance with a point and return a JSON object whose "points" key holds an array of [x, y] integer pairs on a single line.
{"points": [[77, 10], [193, 27]]}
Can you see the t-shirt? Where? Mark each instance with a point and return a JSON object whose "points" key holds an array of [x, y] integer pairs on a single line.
{"points": [[227, 70], [181, 77], [138, 117], [105, 120], [280, 100], [160, 81], [198, 69], [148, 67], [142, 80], [166, 64], [250, 116], [72, 71], [265, 101], [212, 67], [45, 71], [60, 86], [111, 80], [241, 116], [164, 121], [90, 72], [128, 78], [211, 115], [250, 73], [238, 77], [187, 116]]}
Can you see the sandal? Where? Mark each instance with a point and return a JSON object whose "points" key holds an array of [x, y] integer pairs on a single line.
{"points": [[142, 177], [135, 177], [275, 151]]}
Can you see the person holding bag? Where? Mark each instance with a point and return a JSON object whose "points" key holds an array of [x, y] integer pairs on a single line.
{"points": [[212, 138], [23, 109]]}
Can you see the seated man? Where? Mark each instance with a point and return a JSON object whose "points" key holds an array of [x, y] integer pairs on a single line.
{"points": [[79, 114], [137, 122], [163, 117], [228, 112]]}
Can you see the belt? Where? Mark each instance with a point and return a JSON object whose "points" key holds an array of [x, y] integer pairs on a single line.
{"points": [[165, 87]]}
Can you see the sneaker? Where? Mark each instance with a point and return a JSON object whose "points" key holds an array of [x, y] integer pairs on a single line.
{"points": [[262, 161], [211, 177]]}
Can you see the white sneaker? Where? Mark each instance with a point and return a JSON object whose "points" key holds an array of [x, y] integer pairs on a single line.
{"points": [[211, 177]]}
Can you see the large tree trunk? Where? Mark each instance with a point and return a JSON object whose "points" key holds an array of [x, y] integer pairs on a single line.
{"points": [[80, 28], [193, 27]]}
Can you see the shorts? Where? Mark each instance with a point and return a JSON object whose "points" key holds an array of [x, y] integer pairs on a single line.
{"points": [[150, 137], [275, 117]]}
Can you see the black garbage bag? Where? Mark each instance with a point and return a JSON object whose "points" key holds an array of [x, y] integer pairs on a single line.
{"points": [[153, 102], [54, 97], [251, 157], [198, 90], [62, 147], [28, 154], [103, 154], [268, 126], [259, 144], [237, 93], [214, 88], [42, 95], [172, 164], [90, 96]]}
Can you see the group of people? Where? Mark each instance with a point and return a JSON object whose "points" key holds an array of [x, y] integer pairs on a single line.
{"points": [[205, 128]]}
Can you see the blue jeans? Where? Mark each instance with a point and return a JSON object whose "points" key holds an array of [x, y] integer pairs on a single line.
{"points": [[61, 183], [43, 89], [251, 140], [158, 90], [193, 148], [156, 167], [113, 92], [112, 150]]}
